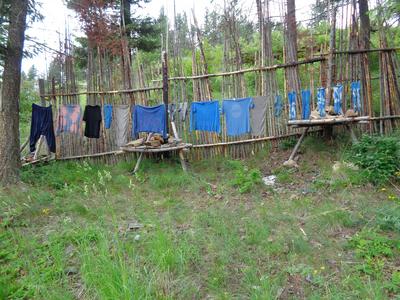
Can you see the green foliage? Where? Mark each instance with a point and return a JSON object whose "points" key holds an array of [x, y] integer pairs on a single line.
{"points": [[379, 157], [245, 178], [373, 247]]}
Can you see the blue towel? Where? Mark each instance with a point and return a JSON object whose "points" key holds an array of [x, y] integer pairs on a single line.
{"points": [[149, 119], [278, 106], [321, 101], [237, 116], [108, 109], [292, 105], [356, 95], [337, 99], [205, 116], [305, 103]]}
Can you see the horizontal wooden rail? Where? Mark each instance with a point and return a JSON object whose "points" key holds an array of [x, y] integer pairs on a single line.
{"points": [[322, 57], [103, 92]]}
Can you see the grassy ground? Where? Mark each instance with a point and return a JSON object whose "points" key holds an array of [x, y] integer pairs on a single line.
{"points": [[216, 233]]}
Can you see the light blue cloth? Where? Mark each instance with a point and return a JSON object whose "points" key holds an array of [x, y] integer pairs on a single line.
{"points": [[292, 105], [337, 99], [278, 106], [237, 116], [204, 116], [305, 104], [149, 119], [108, 109], [321, 101], [356, 95]]}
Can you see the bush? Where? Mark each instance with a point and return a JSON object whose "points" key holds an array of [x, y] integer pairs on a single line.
{"points": [[379, 157]]}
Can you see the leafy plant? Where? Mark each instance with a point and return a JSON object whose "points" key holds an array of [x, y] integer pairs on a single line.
{"points": [[379, 157], [245, 179], [372, 247]]}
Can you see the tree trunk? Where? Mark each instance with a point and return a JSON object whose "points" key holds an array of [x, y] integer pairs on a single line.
{"points": [[9, 105]]}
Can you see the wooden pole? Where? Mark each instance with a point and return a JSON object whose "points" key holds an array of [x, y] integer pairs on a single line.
{"points": [[165, 85]]}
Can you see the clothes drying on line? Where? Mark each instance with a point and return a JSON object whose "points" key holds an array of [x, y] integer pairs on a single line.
{"points": [[69, 118], [42, 124], [258, 116], [149, 119], [237, 116], [204, 116]]}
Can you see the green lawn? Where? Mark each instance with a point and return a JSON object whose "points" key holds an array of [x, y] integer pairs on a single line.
{"points": [[215, 233]]}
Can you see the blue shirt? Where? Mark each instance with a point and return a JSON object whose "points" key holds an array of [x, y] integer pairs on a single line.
{"points": [[292, 105], [205, 116], [108, 109], [237, 116], [149, 119]]}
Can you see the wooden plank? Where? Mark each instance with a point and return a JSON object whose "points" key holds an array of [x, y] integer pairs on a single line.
{"points": [[156, 150], [336, 120]]}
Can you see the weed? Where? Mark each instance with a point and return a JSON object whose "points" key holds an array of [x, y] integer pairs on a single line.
{"points": [[372, 247], [379, 157], [245, 179]]}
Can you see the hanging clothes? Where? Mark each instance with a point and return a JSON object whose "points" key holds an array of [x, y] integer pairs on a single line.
{"points": [[305, 104], [292, 105], [69, 118], [321, 101], [337, 99], [182, 109], [205, 116], [108, 112], [278, 106], [258, 116], [149, 119], [237, 116], [356, 96], [92, 118], [121, 124], [42, 124]]}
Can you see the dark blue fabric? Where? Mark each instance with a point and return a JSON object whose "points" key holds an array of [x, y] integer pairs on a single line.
{"points": [[337, 99], [149, 119], [42, 124], [237, 116], [356, 95], [108, 109], [305, 104], [205, 116], [278, 105], [321, 101], [292, 105]]}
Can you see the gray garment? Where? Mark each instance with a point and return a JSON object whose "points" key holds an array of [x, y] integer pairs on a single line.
{"points": [[121, 124], [183, 108], [258, 116]]}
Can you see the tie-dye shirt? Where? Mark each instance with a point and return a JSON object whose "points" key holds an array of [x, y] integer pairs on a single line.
{"points": [[69, 118]]}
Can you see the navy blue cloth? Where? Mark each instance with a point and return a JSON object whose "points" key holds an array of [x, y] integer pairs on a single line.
{"points": [[237, 116], [42, 124], [149, 119], [305, 104], [108, 110], [205, 116]]}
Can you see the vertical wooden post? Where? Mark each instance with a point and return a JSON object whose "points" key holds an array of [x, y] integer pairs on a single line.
{"points": [[42, 92], [331, 56], [165, 84]]}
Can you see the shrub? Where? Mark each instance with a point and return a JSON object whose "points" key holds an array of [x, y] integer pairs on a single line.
{"points": [[379, 157]]}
